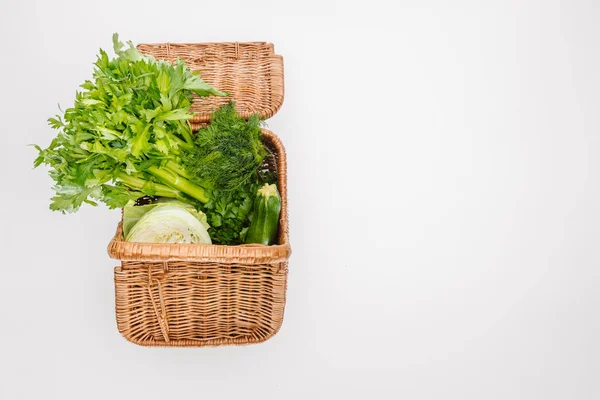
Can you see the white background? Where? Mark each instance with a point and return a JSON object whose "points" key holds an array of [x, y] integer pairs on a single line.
{"points": [[444, 190]]}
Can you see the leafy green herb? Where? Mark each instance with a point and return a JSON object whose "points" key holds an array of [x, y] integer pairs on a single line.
{"points": [[128, 137], [227, 152], [124, 136]]}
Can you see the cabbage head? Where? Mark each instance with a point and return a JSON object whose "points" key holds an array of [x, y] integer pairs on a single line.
{"points": [[167, 222]]}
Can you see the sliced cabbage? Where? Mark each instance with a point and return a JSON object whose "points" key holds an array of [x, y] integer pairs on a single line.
{"points": [[169, 222]]}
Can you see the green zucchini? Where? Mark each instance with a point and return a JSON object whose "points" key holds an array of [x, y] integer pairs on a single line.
{"points": [[265, 219]]}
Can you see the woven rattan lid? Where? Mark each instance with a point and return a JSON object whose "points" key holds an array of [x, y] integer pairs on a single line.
{"points": [[250, 72]]}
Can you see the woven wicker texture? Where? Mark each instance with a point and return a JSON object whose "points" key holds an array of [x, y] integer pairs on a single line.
{"points": [[204, 295], [250, 72], [199, 303]]}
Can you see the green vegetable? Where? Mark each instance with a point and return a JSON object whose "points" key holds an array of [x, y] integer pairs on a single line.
{"points": [[166, 222], [228, 152], [126, 133], [132, 214], [128, 136], [265, 220], [227, 157], [228, 213]]}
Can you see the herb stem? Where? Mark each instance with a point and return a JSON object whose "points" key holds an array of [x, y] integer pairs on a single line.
{"points": [[178, 182], [177, 169], [186, 133], [140, 184]]}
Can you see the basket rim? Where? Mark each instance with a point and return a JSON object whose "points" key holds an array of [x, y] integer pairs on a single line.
{"points": [[120, 249], [251, 43]]}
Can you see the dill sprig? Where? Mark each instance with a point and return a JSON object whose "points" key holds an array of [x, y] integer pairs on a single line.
{"points": [[227, 152]]}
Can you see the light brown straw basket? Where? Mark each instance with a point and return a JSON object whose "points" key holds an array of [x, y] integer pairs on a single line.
{"points": [[209, 295]]}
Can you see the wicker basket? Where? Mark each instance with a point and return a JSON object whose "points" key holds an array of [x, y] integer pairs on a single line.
{"points": [[209, 295]]}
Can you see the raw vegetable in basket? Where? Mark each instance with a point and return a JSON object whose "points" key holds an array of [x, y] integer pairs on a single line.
{"points": [[228, 159], [125, 135], [227, 152], [265, 220], [165, 222], [127, 140]]}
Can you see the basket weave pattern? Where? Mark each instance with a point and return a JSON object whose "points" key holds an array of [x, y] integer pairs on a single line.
{"points": [[208, 295], [199, 303]]}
